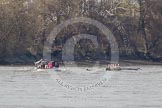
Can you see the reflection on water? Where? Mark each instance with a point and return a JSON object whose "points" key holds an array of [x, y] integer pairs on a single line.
{"points": [[24, 88]]}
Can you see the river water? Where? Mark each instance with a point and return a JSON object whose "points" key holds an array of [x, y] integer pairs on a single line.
{"points": [[71, 87]]}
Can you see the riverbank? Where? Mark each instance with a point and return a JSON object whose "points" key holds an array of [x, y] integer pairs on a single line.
{"points": [[92, 63]]}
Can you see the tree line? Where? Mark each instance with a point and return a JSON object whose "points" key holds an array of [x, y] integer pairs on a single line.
{"points": [[25, 25]]}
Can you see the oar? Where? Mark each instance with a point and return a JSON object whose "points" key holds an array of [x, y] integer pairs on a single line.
{"points": [[131, 69]]}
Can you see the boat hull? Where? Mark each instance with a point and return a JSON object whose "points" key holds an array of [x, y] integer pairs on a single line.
{"points": [[46, 69]]}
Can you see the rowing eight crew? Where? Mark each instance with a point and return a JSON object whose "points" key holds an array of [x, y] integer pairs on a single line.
{"points": [[113, 67], [44, 64]]}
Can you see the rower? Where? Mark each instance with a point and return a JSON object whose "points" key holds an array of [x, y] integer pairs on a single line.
{"points": [[56, 64], [50, 64], [38, 62], [108, 67], [43, 64], [113, 67]]}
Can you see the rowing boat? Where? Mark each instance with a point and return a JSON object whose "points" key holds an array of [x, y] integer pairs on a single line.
{"points": [[52, 69]]}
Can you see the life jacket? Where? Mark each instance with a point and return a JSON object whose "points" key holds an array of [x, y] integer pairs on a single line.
{"points": [[50, 65]]}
